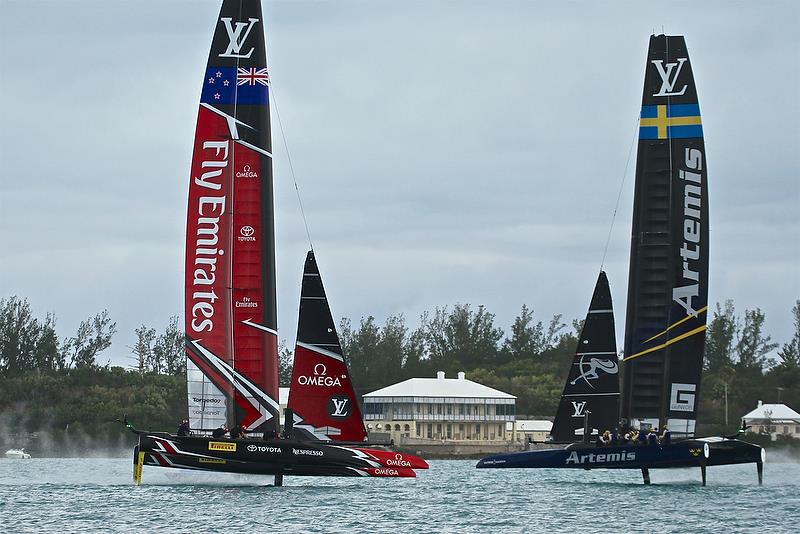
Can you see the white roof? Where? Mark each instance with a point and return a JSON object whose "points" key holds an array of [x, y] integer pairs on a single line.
{"points": [[776, 411], [439, 387]]}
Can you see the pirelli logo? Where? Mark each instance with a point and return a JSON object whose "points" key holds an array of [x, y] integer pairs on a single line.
{"points": [[221, 446], [212, 461]]}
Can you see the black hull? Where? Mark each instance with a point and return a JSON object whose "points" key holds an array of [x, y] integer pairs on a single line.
{"points": [[272, 457], [689, 453]]}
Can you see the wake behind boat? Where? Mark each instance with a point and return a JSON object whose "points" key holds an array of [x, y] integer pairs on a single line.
{"points": [[231, 306], [666, 309]]}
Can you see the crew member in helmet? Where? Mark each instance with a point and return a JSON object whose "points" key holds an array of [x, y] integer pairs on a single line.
{"points": [[183, 429], [237, 432], [219, 432], [666, 436]]}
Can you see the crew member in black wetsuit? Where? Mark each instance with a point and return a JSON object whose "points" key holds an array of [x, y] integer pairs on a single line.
{"points": [[183, 429], [666, 436], [237, 432], [642, 438], [219, 432], [652, 437]]}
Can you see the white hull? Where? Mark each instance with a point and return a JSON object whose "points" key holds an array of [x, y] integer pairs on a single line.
{"points": [[17, 454]]}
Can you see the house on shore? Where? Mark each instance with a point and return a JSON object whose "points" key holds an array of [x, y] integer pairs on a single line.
{"points": [[773, 419], [440, 409]]}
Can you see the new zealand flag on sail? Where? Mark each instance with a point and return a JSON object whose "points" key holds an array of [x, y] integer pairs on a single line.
{"points": [[231, 85]]}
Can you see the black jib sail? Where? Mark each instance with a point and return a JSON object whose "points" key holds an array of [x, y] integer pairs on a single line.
{"points": [[321, 395], [668, 282], [592, 388]]}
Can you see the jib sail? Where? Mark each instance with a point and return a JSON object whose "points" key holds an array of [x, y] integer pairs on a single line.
{"points": [[668, 282], [230, 306], [321, 394], [592, 388]]}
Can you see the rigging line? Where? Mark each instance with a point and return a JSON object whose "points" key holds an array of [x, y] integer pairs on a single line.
{"points": [[291, 166], [619, 194]]}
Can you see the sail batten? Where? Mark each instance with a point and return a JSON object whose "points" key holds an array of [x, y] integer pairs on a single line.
{"points": [[668, 280]]}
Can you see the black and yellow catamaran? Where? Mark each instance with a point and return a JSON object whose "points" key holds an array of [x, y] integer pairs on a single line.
{"points": [[667, 304], [230, 300]]}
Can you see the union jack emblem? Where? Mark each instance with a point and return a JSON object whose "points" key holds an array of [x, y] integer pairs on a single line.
{"points": [[252, 76]]}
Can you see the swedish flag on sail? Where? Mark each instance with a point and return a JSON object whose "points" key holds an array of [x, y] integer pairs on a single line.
{"points": [[670, 121]]}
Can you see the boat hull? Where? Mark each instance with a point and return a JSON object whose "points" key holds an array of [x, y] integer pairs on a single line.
{"points": [[271, 457], [688, 453]]}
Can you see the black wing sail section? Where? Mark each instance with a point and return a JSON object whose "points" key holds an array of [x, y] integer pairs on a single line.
{"points": [[668, 280], [593, 382]]}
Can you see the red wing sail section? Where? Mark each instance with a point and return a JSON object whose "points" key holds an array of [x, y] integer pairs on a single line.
{"points": [[230, 250], [321, 394]]}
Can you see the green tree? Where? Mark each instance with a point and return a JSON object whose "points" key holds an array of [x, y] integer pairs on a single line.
{"points": [[170, 349], [752, 345], [92, 337], [143, 348], [26, 343], [720, 336], [285, 360], [461, 339], [790, 352], [361, 350]]}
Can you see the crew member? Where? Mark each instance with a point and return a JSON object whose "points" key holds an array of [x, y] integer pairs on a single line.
{"points": [[666, 436], [183, 429], [652, 437], [219, 432], [642, 438], [270, 434], [605, 438], [237, 432]]}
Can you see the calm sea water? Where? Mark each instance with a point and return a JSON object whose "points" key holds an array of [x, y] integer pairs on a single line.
{"points": [[97, 495]]}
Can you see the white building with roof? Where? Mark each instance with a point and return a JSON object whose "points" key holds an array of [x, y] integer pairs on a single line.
{"points": [[773, 419], [440, 408]]}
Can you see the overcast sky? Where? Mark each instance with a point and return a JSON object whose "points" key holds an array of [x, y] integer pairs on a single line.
{"points": [[445, 152]]}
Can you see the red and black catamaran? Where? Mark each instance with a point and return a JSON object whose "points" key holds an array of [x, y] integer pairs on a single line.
{"points": [[667, 304], [230, 301]]}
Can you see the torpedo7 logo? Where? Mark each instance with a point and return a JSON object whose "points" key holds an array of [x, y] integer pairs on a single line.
{"points": [[236, 39]]}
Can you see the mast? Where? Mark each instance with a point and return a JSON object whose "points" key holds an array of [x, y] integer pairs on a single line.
{"points": [[230, 282], [668, 281], [593, 383], [321, 395]]}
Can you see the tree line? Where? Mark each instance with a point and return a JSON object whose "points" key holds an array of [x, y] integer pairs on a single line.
{"points": [[57, 382], [741, 365]]}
